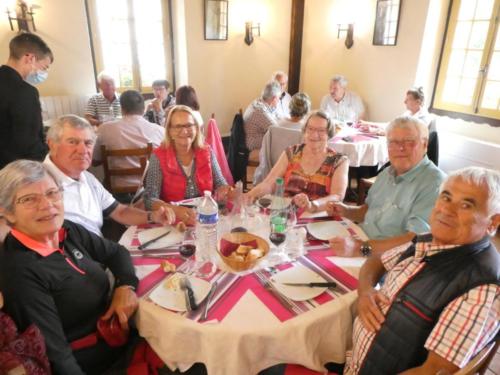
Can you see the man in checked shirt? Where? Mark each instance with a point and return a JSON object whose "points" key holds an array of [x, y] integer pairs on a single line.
{"points": [[439, 304]]}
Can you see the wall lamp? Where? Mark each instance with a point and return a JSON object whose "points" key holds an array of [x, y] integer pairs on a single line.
{"points": [[249, 28], [349, 33], [23, 15]]}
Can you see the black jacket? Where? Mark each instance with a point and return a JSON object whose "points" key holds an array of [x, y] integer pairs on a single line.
{"points": [[237, 157], [21, 126]]}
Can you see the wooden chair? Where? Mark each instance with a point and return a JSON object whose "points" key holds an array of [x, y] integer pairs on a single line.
{"points": [[479, 364], [143, 155]]}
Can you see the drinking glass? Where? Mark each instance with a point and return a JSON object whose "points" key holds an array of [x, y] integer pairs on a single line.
{"points": [[278, 228], [187, 250]]}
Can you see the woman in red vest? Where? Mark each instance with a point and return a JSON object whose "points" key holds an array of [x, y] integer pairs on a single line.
{"points": [[183, 166]]}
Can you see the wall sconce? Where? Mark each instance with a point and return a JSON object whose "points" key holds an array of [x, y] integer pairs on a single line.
{"points": [[23, 15], [249, 32], [349, 30]]}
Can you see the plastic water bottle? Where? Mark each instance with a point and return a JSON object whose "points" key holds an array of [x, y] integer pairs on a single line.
{"points": [[206, 234], [278, 209]]}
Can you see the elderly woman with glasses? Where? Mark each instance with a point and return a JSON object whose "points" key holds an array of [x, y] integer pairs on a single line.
{"points": [[52, 274], [183, 166], [314, 173]]}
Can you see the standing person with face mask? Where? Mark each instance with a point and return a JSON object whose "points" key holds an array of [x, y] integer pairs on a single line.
{"points": [[21, 126]]}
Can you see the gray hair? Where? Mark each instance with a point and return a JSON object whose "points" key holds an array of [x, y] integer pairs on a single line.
{"points": [[409, 122], [417, 93], [340, 79], [18, 174], [300, 105], [481, 177], [271, 90], [278, 73], [105, 76], [74, 122]]}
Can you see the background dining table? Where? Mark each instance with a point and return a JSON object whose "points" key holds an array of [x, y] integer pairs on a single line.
{"points": [[250, 325]]}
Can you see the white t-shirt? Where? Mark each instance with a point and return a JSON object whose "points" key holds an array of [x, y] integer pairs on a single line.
{"points": [[283, 107], [348, 109], [86, 201]]}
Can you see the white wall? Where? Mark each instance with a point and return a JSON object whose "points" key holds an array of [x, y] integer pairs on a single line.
{"points": [[63, 26]]}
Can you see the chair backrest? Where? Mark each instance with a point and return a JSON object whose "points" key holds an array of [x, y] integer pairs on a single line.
{"points": [[479, 363], [142, 153]]}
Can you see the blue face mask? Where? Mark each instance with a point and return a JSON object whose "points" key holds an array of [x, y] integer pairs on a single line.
{"points": [[37, 77]]}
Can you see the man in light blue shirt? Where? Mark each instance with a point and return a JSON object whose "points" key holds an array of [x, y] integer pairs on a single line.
{"points": [[400, 201]]}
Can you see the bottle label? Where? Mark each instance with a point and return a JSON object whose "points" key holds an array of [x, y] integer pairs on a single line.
{"points": [[208, 219]]}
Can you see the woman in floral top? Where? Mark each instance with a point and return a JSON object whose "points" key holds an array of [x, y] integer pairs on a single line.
{"points": [[313, 173]]}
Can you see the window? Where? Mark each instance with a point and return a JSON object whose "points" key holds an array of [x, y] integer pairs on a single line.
{"points": [[469, 74], [131, 41]]}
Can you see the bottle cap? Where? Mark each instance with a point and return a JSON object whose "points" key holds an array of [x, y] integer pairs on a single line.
{"points": [[279, 181], [207, 193]]}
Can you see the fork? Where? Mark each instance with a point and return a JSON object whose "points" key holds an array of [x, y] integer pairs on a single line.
{"points": [[268, 286]]}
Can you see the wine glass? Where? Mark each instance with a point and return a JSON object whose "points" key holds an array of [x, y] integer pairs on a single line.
{"points": [[278, 227], [188, 249]]}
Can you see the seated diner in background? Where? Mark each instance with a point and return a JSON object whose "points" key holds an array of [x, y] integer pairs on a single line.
{"points": [[260, 115], [282, 110], [183, 166], [104, 106], [314, 174], [299, 107], [71, 142], [52, 274], [155, 109], [414, 102], [186, 95], [439, 305], [341, 104], [399, 203]]}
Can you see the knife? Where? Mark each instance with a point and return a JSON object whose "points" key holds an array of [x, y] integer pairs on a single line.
{"points": [[209, 299], [330, 284], [191, 304], [147, 243]]}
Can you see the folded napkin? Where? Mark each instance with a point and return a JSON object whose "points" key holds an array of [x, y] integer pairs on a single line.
{"points": [[227, 247]]}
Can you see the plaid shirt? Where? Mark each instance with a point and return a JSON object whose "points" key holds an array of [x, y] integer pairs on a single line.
{"points": [[464, 327]]}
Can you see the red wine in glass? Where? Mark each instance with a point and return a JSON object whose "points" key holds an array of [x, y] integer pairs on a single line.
{"points": [[187, 250], [277, 238]]}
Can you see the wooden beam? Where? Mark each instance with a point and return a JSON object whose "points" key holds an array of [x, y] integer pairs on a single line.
{"points": [[296, 31]]}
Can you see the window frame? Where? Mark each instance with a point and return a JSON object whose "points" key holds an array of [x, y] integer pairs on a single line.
{"points": [[96, 48], [474, 113]]}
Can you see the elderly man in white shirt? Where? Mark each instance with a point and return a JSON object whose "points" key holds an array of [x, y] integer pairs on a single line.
{"points": [[71, 142], [282, 108], [341, 104]]}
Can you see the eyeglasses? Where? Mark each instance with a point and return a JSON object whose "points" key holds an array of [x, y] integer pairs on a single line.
{"points": [[33, 200], [319, 131], [180, 128], [398, 143]]}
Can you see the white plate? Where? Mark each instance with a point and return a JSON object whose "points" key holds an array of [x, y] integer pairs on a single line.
{"points": [[298, 274], [324, 230], [170, 239], [275, 202], [174, 298]]}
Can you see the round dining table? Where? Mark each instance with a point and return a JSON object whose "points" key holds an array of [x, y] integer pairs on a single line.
{"points": [[250, 325]]}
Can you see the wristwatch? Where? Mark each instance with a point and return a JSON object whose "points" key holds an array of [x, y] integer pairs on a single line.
{"points": [[150, 217], [366, 249]]}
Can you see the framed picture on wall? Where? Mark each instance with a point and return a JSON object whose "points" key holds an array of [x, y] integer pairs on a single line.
{"points": [[216, 19], [387, 22]]}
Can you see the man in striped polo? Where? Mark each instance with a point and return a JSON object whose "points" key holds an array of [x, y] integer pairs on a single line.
{"points": [[104, 106]]}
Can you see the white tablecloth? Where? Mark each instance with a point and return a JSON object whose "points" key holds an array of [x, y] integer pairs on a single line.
{"points": [[368, 152], [251, 338]]}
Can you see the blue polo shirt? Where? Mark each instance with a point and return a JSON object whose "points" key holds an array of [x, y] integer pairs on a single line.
{"points": [[400, 204]]}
